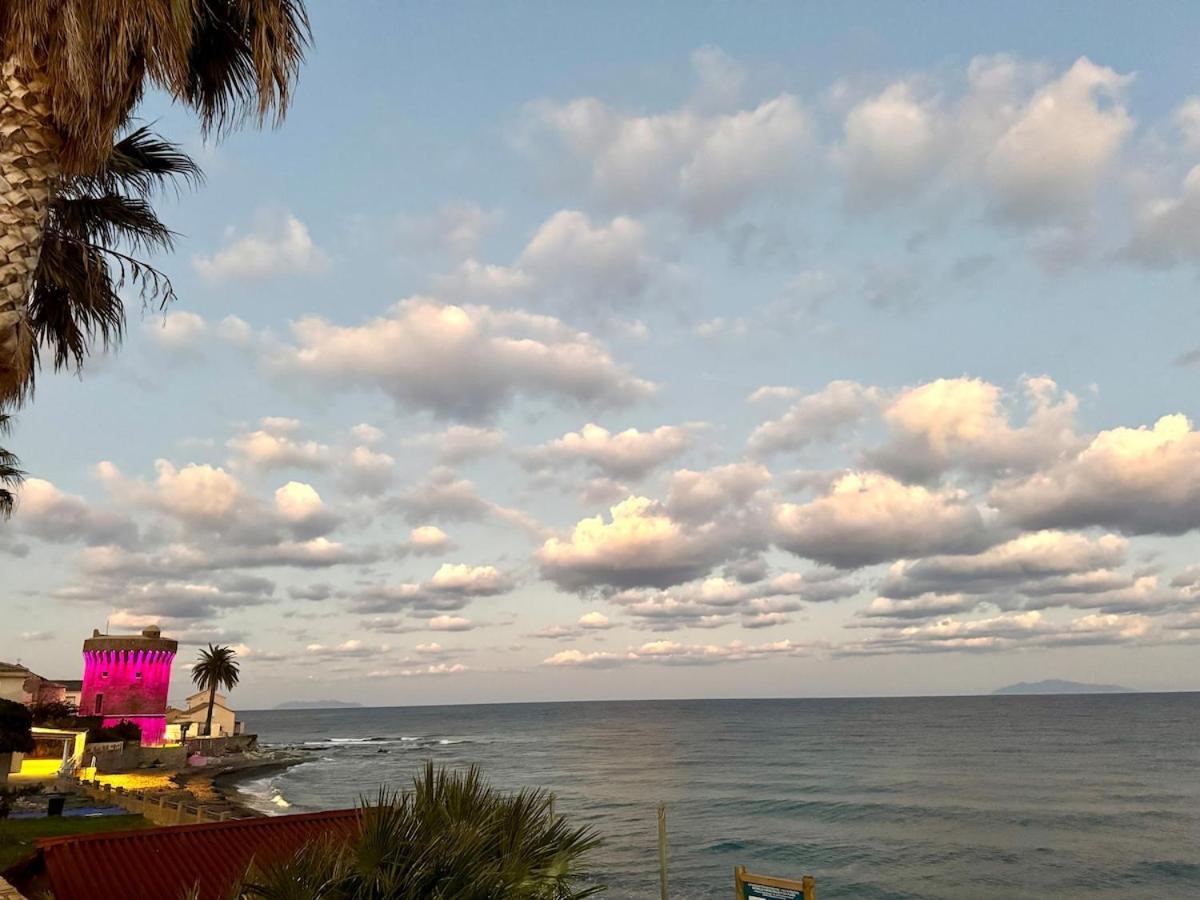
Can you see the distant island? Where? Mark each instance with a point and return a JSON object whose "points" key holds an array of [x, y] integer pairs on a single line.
{"points": [[1058, 686], [316, 704]]}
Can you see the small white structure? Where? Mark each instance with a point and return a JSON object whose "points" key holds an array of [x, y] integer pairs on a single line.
{"points": [[224, 719]]}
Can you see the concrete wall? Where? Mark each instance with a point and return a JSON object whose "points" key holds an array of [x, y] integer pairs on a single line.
{"points": [[131, 757], [216, 746]]}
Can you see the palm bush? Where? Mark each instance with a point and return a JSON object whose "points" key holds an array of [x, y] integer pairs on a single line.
{"points": [[451, 836]]}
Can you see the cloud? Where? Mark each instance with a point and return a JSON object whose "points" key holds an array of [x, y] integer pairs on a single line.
{"points": [[428, 540], [46, 512], [179, 330], [282, 247], [594, 621], [1026, 558], [640, 545], [444, 497], [869, 517], [713, 602], [597, 659], [1032, 148], [1135, 480], [570, 263], [452, 587], [460, 443], [461, 362], [628, 454], [890, 145], [450, 623], [366, 471], [454, 230], [967, 423], [273, 447], [1062, 145], [815, 417], [706, 165], [1166, 230], [1007, 631], [352, 648], [675, 653]]}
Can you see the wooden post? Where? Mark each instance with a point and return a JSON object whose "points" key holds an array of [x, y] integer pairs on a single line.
{"points": [[738, 872], [662, 851], [810, 887]]}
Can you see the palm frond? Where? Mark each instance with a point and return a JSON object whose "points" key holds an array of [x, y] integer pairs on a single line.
{"points": [[84, 267], [11, 475], [245, 54], [141, 163]]}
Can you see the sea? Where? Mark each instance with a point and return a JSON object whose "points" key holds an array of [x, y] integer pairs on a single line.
{"points": [[941, 797]]}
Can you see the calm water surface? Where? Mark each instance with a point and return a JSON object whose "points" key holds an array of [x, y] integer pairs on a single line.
{"points": [[1080, 796]]}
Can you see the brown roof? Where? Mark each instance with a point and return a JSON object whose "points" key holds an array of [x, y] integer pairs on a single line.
{"points": [[165, 862]]}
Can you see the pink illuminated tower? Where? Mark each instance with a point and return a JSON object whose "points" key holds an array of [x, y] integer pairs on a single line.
{"points": [[126, 677]]}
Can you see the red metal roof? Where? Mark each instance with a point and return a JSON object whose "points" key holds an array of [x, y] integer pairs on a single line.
{"points": [[165, 862]]}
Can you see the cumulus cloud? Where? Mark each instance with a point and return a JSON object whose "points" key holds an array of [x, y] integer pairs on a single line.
{"points": [[450, 623], [452, 587], [570, 263], [454, 230], [1166, 230], [869, 517], [1027, 557], [180, 330], [444, 497], [820, 416], [675, 653], [706, 164], [640, 545], [713, 602], [272, 446], [628, 454], [460, 443], [1052, 158], [463, 362], [891, 142], [277, 247], [1032, 147], [49, 513], [1006, 631], [366, 471], [967, 423], [1135, 480]]}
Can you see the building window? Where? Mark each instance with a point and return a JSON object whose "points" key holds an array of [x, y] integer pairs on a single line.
{"points": [[99, 703]]}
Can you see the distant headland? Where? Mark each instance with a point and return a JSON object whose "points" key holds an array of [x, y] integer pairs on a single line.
{"points": [[1058, 686], [316, 704]]}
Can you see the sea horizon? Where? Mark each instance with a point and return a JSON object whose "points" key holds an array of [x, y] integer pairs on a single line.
{"points": [[352, 705]]}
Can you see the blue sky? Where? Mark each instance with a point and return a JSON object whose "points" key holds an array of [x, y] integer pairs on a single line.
{"points": [[557, 351]]}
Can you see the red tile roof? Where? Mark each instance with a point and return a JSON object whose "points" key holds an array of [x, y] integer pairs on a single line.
{"points": [[163, 863]]}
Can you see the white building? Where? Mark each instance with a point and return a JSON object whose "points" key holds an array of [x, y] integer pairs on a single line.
{"points": [[224, 719]]}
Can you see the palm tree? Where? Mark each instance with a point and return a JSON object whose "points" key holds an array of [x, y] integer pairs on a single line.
{"points": [[10, 474], [215, 668], [71, 73], [76, 291], [451, 836]]}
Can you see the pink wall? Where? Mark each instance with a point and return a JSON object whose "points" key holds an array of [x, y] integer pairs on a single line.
{"points": [[132, 684]]}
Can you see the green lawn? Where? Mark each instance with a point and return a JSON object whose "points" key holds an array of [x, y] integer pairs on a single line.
{"points": [[17, 836]]}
